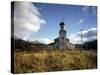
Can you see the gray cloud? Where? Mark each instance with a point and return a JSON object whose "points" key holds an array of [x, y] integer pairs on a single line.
{"points": [[87, 35]]}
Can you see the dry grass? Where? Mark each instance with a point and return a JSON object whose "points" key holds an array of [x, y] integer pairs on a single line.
{"points": [[54, 60]]}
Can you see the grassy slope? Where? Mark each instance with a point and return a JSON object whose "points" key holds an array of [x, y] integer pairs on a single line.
{"points": [[54, 60]]}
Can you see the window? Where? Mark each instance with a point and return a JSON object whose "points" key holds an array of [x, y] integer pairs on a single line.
{"points": [[62, 38]]}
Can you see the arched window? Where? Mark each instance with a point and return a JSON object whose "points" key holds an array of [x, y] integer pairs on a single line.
{"points": [[62, 38]]}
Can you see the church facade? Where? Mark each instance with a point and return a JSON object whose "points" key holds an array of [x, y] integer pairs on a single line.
{"points": [[62, 42]]}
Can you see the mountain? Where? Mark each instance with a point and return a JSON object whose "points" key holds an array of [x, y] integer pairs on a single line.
{"points": [[20, 45], [36, 42], [88, 45]]}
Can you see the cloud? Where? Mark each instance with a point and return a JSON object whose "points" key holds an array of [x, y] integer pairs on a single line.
{"points": [[92, 9], [87, 35], [85, 8], [45, 40], [80, 21], [27, 19], [90, 32], [42, 40]]}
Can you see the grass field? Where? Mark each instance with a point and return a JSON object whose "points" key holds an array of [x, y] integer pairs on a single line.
{"points": [[54, 60]]}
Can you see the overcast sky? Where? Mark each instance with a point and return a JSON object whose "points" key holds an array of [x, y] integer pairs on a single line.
{"points": [[40, 21]]}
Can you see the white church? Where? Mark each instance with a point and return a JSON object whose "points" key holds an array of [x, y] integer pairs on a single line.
{"points": [[62, 42]]}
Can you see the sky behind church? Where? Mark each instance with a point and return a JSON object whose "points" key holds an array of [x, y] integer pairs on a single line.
{"points": [[47, 17]]}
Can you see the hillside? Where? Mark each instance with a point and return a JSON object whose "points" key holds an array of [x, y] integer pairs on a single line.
{"points": [[36, 45], [88, 45]]}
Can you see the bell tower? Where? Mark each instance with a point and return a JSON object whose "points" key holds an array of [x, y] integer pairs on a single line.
{"points": [[62, 31], [62, 36]]}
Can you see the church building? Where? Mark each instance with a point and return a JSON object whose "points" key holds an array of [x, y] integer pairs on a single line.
{"points": [[62, 42]]}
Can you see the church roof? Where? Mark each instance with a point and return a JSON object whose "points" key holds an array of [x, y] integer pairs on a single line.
{"points": [[62, 22]]}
